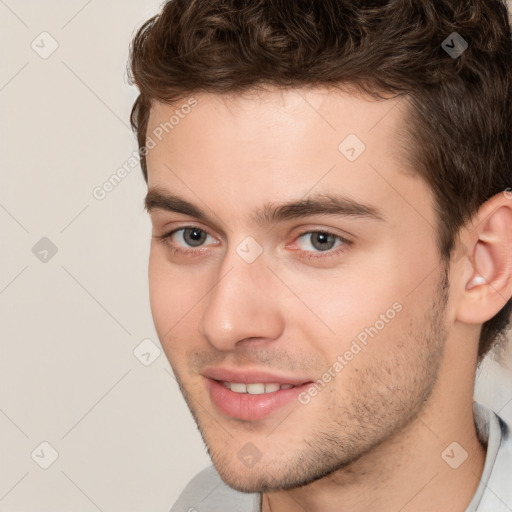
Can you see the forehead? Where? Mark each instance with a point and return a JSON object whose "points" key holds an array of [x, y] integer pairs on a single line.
{"points": [[246, 149], [327, 108], [277, 125]]}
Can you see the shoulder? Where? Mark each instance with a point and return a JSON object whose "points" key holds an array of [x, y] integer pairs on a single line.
{"points": [[496, 491], [206, 492]]}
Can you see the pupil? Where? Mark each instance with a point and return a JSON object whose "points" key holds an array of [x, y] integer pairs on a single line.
{"points": [[194, 237], [321, 241]]}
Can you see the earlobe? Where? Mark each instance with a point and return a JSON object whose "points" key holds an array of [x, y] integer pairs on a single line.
{"points": [[488, 285]]}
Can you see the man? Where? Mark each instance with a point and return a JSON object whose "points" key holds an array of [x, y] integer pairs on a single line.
{"points": [[329, 190]]}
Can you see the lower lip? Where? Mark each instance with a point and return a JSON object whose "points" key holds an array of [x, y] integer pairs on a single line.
{"points": [[245, 406]]}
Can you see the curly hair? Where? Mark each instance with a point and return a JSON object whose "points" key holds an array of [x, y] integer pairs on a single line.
{"points": [[459, 106]]}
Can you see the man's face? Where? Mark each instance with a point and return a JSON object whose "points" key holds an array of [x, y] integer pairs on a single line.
{"points": [[345, 304]]}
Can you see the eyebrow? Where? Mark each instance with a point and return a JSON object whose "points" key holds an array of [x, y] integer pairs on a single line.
{"points": [[270, 213]]}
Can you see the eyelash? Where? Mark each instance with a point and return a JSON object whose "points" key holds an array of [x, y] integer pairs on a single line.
{"points": [[316, 255]]}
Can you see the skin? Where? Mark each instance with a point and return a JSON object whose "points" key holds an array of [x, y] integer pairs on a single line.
{"points": [[372, 439]]}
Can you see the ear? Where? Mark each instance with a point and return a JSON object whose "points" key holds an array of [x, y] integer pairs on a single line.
{"points": [[487, 272]]}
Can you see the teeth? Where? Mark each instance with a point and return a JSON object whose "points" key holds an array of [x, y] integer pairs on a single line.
{"points": [[238, 388], [255, 388]]}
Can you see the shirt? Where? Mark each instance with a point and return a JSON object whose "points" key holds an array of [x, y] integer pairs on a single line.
{"points": [[206, 492]]}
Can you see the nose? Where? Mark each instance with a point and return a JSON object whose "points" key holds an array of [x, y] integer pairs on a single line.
{"points": [[242, 304]]}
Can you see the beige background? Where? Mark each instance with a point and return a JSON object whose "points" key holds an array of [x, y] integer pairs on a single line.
{"points": [[71, 321]]}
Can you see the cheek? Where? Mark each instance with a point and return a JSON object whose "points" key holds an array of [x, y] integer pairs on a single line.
{"points": [[174, 293], [373, 299], [341, 299]]}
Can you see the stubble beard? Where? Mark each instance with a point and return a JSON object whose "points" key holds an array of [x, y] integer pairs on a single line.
{"points": [[386, 398]]}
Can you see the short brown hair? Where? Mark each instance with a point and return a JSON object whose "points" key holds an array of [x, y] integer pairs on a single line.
{"points": [[460, 106]]}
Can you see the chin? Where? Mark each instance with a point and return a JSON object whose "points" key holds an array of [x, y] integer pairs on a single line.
{"points": [[249, 481], [280, 476]]}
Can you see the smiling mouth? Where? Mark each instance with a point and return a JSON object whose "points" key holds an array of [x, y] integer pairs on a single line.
{"points": [[257, 388], [253, 401]]}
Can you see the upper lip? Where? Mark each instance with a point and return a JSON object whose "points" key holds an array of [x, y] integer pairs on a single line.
{"points": [[251, 376]]}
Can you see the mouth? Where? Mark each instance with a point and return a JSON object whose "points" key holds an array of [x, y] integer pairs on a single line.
{"points": [[253, 401], [256, 388]]}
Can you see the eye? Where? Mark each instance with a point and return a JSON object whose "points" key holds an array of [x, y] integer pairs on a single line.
{"points": [[316, 245], [192, 241], [193, 237], [320, 240], [185, 239]]}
